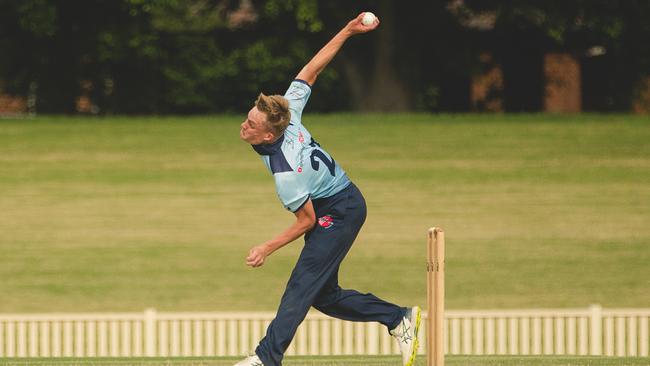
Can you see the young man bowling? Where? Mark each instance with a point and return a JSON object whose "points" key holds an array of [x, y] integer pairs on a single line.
{"points": [[329, 210]]}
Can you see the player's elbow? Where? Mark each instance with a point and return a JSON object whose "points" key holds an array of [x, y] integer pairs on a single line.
{"points": [[306, 216], [308, 221]]}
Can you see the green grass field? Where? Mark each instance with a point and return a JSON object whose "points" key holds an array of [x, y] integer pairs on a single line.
{"points": [[120, 214], [341, 361]]}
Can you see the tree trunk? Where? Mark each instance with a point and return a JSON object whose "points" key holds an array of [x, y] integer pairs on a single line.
{"points": [[383, 90]]}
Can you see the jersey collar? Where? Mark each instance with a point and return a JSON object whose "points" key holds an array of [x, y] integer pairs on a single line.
{"points": [[269, 149]]}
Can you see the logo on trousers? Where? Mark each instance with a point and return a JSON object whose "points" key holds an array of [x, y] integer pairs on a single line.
{"points": [[326, 221]]}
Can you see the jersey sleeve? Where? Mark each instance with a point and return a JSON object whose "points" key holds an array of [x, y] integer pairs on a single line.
{"points": [[291, 190], [297, 95]]}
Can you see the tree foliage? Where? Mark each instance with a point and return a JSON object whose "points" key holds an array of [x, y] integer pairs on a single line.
{"points": [[205, 56], [617, 30]]}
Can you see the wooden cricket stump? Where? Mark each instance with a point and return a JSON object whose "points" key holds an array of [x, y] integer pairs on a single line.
{"points": [[435, 297]]}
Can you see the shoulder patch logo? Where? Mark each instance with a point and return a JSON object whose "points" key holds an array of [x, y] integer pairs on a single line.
{"points": [[326, 221], [297, 92]]}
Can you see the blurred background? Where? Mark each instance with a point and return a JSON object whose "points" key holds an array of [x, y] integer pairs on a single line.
{"points": [[213, 56]]}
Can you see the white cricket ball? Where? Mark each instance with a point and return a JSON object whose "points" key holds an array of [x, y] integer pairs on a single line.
{"points": [[368, 18]]}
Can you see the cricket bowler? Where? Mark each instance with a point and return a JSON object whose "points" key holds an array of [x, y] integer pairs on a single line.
{"points": [[329, 210]]}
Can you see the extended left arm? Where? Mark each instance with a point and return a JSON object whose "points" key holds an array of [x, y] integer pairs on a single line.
{"points": [[310, 72], [305, 220]]}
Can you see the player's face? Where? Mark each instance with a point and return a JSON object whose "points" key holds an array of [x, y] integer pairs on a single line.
{"points": [[255, 129]]}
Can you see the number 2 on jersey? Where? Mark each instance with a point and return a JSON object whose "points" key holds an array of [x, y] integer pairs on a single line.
{"points": [[317, 153]]}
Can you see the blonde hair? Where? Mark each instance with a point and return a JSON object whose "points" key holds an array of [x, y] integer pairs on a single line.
{"points": [[276, 109]]}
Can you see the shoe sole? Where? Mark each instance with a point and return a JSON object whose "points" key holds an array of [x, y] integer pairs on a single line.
{"points": [[416, 344]]}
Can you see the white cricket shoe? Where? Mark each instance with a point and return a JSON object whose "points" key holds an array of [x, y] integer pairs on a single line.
{"points": [[406, 334], [250, 361]]}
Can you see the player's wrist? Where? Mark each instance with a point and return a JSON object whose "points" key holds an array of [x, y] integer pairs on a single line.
{"points": [[346, 32], [267, 248]]}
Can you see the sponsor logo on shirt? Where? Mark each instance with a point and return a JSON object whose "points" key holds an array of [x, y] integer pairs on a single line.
{"points": [[297, 92]]}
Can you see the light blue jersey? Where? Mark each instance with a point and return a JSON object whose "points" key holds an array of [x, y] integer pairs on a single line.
{"points": [[300, 167]]}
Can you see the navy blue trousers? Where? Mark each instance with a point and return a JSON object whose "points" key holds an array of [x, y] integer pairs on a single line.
{"points": [[314, 280]]}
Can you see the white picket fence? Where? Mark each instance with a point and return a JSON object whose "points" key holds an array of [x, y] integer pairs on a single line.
{"points": [[590, 331]]}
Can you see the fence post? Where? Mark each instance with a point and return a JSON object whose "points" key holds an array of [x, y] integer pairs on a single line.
{"points": [[596, 335], [150, 332]]}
